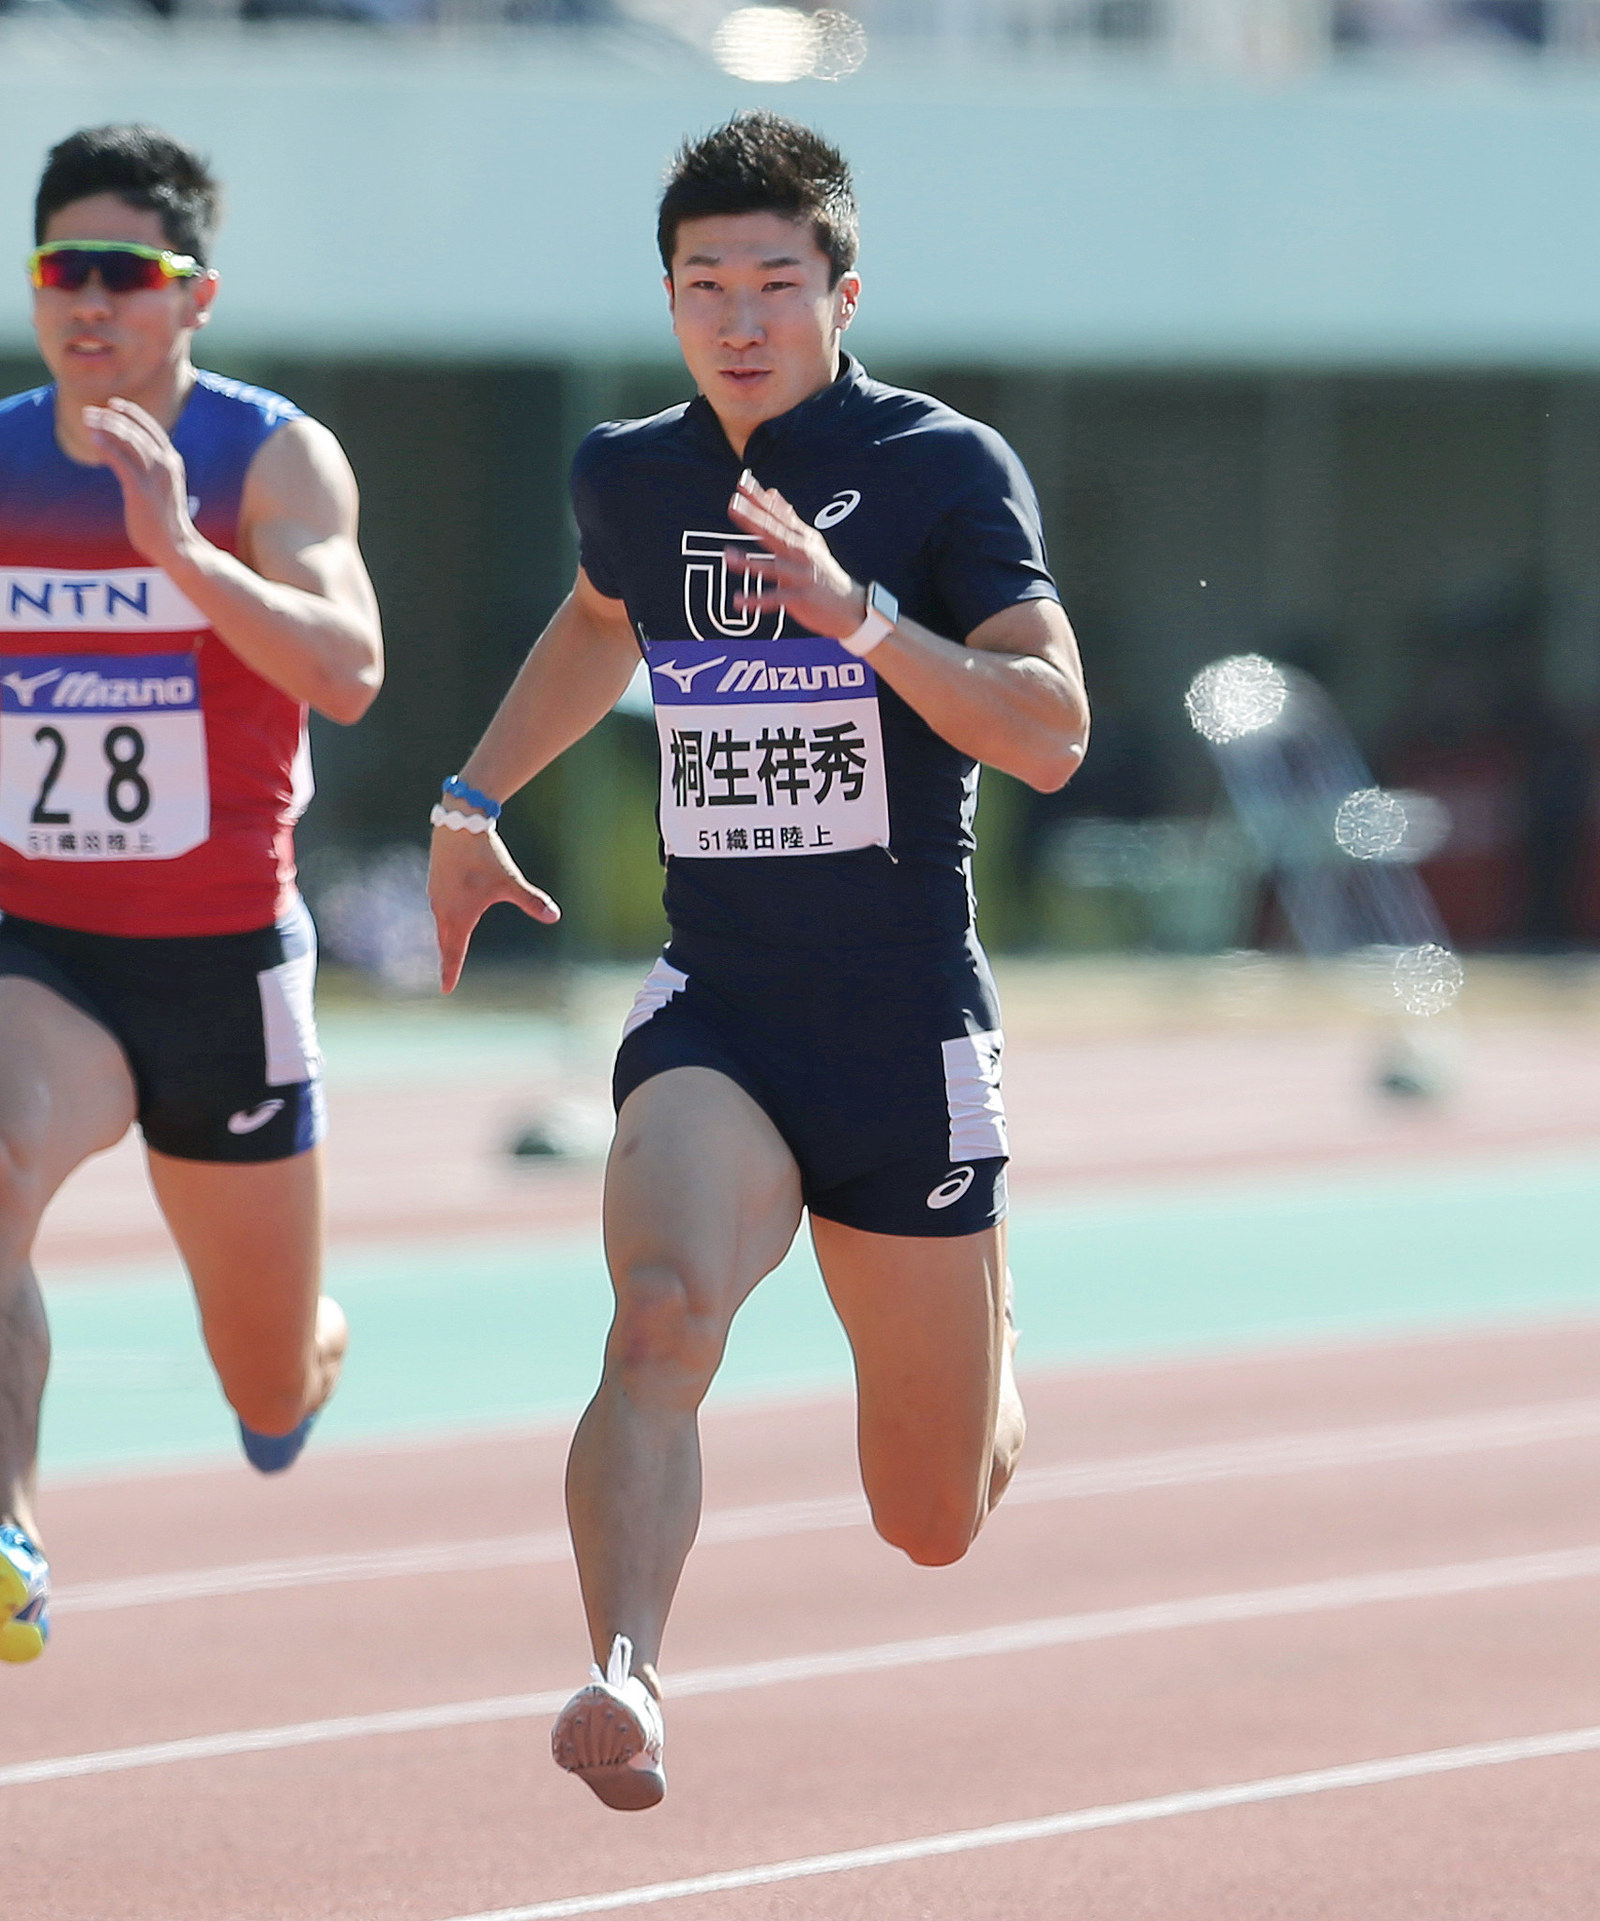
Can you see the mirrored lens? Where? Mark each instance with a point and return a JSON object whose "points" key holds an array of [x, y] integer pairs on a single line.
{"points": [[68, 268]]}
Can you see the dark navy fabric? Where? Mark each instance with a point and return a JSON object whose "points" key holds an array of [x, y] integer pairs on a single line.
{"points": [[848, 1067], [187, 1011], [908, 492]]}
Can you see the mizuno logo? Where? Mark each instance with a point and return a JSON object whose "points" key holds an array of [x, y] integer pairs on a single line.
{"points": [[764, 677], [684, 676], [248, 1123], [25, 686], [950, 1190], [839, 508], [88, 688]]}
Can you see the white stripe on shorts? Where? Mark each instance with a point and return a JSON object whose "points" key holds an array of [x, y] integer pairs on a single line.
{"points": [[288, 1021], [972, 1094], [658, 987]]}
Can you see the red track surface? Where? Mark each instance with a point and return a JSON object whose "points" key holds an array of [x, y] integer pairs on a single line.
{"points": [[463, 1820]]}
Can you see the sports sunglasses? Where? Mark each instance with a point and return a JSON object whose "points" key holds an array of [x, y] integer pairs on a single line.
{"points": [[123, 266]]}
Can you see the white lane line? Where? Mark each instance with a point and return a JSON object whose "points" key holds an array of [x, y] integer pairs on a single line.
{"points": [[1162, 1807], [1263, 1456], [1018, 1637]]}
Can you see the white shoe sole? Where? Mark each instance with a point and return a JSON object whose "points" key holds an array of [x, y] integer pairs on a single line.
{"points": [[600, 1739]]}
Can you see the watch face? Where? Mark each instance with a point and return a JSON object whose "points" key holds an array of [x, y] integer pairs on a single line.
{"points": [[881, 601]]}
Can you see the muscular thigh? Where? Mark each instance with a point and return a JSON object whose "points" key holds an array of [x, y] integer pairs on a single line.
{"points": [[701, 1185], [926, 1321], [65, 1087], [251, 1237]]}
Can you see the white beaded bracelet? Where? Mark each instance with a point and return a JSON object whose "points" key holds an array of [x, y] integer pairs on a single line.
{"points": [[462, 823]]}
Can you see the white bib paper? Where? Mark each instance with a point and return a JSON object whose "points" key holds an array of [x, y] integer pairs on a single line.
{"points": [[768, 748], [102, 756]]}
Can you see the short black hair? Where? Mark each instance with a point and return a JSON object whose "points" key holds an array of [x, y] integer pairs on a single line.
{"points": [[758, 162], [142, 166]]}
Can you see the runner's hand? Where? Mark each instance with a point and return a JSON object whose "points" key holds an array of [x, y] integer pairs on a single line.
{"points": [[467, 874], [798, 571], [150, 472]]}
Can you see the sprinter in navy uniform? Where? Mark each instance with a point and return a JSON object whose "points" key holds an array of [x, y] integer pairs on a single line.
{"points": [[841, 596]]}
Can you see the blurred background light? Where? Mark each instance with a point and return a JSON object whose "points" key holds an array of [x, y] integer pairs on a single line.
{"points": [[1427, 979], [773, 44], [841, 45], [776, 45], [1372, 824], [1235, 697]]}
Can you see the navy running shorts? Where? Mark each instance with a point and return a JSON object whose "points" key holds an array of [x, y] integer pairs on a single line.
{"points": [[880, 1071], [217, 1028]]}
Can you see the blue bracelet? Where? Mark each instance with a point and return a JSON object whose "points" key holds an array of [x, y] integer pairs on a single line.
{"points": [[458, 789]]}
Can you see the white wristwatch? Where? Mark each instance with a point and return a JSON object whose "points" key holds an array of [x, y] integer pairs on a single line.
{"points": [[883, 610]]}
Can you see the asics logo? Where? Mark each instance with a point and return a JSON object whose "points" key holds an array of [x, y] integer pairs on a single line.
{"points": [[25, 686], [684, 676], [952, 1187], [247, 1122], [839, 508]]}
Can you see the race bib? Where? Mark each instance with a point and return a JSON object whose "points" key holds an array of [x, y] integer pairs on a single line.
{"points": [[102, 756], [768, 748]]}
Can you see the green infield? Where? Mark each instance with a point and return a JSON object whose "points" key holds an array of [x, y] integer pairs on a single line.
{"points": [[458, 1334]]}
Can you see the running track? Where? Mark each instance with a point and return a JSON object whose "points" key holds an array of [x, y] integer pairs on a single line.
{"points": [[1296, 1630]]}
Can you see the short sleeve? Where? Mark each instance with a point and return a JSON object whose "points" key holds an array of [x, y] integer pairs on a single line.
{"points": [[988, 547], [594, 508]]}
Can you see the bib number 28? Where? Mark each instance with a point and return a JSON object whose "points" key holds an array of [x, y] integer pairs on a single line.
{"points": [[99, 766], [127, 797]]}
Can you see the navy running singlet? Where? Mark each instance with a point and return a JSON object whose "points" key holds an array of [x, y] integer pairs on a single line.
{"points": [[803, 804]]}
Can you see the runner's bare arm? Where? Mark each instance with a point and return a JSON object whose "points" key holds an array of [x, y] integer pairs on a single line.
{"points": [[1012, 697], [298, 608], [571, 680]]}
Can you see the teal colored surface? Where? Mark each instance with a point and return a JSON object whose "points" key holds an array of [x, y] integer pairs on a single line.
{"points": [[454, 1336]]}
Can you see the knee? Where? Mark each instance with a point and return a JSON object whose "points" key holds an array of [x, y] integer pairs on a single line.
{"points": [[664, 1339], [269, 1400], [932, 1532]]}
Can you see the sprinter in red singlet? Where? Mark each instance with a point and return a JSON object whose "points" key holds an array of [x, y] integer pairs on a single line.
{"points": [[179, 583]]}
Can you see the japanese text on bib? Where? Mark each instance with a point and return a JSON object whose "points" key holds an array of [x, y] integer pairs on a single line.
{"points": [[768, 748]]}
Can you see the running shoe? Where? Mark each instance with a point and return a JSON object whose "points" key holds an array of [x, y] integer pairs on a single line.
{"points": [[24, 1596], [610, 1734], [272, 1453]]}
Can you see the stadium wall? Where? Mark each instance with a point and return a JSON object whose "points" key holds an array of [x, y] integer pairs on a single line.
{"points": [[396, 195], [1312, 368]]}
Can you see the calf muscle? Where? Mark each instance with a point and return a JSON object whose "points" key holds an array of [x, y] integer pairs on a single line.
{"points": [[65, 1093]]}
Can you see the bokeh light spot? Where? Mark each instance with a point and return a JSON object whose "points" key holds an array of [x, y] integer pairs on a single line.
{"points": [[774, 44], [1370, 824], [779, 44], [841, 45], [1427, 979], [1231, 698]]}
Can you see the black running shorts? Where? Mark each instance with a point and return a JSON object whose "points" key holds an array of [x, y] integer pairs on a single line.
{"points": [[217, 1028], [880, 1071]]}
